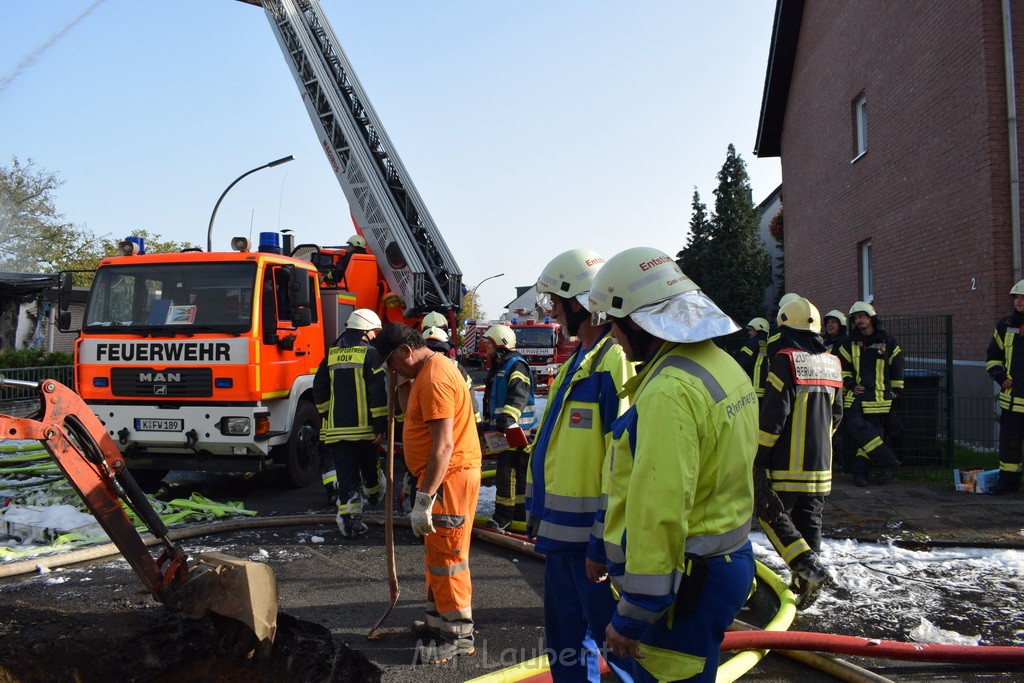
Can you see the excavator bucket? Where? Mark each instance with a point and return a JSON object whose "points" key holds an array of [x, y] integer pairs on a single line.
{"points": [[240, 596]]}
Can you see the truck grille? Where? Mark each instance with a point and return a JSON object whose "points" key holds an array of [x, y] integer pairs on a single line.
{"points": [[186, 382]]}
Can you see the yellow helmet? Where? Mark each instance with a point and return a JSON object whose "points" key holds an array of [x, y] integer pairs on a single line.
{"points": [[759, 324], [800, 314], [435, 333], [838, 315], [787, 297], [862, 307], [634, 278], [363, 319], [570, 273], [433, 319], [1018, 288], [357, 241], [502, 336]]}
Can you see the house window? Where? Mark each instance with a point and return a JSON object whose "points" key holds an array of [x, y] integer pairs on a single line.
{"points": [[860, 126], [867, 288]]}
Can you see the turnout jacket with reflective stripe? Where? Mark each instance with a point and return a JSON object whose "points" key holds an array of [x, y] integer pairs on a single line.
{"points": [[876, 363], [680, 481], [1005, 360], [800, 411], [753, 358], [349, 391], [568, 464], [508, 396]]}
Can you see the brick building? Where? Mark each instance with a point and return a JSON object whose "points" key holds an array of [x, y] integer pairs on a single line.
{"points": [[892, 125]]}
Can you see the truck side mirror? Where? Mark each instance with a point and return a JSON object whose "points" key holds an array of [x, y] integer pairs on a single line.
{"points": [[64, 298], [298, 287], [302, 317], [64, 321]]}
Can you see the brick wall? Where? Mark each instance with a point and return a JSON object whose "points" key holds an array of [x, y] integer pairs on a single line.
{"points": [[932, 190]]}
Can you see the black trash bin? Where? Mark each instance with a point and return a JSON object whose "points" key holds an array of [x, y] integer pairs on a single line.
{"points": [[918, 408]]}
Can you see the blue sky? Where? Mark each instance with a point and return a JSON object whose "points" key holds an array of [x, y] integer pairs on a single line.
{"points": [[528, 127]]}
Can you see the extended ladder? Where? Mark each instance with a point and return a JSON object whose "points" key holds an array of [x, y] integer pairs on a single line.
{"points": [[384, 202]]}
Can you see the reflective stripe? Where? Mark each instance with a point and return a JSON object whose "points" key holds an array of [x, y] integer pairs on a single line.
{"points": [[631, 611], [718, 544], [572, 503], [566, 534], [648, 584], [614, 552], [449, 521], [448, 570], [465, 614], [691, 367]]}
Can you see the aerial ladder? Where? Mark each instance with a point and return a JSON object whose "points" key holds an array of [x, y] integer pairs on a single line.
{"points": [[384, 203]]}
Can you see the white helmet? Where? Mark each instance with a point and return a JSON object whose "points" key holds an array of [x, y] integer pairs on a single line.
{"points": [[759, 324], [800, 314], [570, 274], [433, 319], [1018, 288], [502, 336], [357, 241], [838, 315], [435, 333], [862, 307], [647, 285], [786, 298], [363, 319]]}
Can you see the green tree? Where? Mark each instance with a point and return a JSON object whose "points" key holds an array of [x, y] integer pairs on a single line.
{"points": [[34, 236], [727, 259], [470, 309], [692, 256]]}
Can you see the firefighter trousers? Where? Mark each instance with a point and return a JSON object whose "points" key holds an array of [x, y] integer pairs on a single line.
{"points": [[510, 487], [449, 586], [356, 464], [798, 528], [868, 432], [688, 642], [1011, 442], [576, 613]]}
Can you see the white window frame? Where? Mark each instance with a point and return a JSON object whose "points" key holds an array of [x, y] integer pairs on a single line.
{"points": [[867, 285], [860, 122]]}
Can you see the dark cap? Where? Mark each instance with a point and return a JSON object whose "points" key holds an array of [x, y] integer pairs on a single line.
{"points": [[394, 335]]}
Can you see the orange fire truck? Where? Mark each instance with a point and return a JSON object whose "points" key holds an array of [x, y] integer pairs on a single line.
{"points": [[205, 360], [542, 344]]}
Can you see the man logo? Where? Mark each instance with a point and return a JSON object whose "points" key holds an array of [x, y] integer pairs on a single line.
{"points": [[160, 389]]}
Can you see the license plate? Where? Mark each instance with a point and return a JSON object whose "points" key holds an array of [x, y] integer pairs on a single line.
{"points": [[142, 425]]}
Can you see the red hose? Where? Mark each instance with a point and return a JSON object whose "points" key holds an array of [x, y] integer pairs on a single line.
{"points": [[872, 647]]}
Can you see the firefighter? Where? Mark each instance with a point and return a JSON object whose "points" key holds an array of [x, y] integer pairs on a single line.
{"points": [[680, 492], [801, 409], [566, 475], [356, 244], [1005, 364], [508, 402], [834, 332], [443, 452], [753, 355], [436, 340], [773, 335], [349, 390], [873, 377], [434, 319]]}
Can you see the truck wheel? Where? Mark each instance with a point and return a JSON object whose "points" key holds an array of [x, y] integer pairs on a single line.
{"points": [[301, 455]]}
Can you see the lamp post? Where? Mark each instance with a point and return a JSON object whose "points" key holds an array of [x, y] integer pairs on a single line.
{"points": [[476, 302], [276, 162]]}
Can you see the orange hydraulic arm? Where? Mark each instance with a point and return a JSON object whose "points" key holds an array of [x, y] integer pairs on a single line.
{"points": [[94, 467]]}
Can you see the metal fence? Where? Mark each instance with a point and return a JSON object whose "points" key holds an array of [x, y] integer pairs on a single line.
{"points": [[23, 402]]}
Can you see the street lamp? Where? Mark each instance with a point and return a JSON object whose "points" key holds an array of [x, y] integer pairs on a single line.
{"points": [[209, 232], [476, 303]]}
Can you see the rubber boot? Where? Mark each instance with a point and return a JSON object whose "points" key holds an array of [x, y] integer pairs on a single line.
{"points": [[1008, 482], [861, 467]]}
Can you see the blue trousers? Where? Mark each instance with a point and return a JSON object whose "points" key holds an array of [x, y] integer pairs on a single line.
{"points": [[576, 613], [728, 584]]}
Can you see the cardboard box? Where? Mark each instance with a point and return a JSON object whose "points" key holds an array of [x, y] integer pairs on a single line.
{"points": [[975, 480]]}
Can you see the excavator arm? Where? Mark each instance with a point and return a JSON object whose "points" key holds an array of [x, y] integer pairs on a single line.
{"points": [[215, 585]]}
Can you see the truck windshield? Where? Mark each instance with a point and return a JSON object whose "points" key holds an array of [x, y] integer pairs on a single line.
{"points": [[533, 337], [172, 298]]}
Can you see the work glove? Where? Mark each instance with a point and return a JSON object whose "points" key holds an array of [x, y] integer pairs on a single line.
{"points": [[766, 501], [421, 518]]}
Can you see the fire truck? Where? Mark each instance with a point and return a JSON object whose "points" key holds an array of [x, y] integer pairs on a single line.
{"points": [[542, 344], [205, 360]]}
